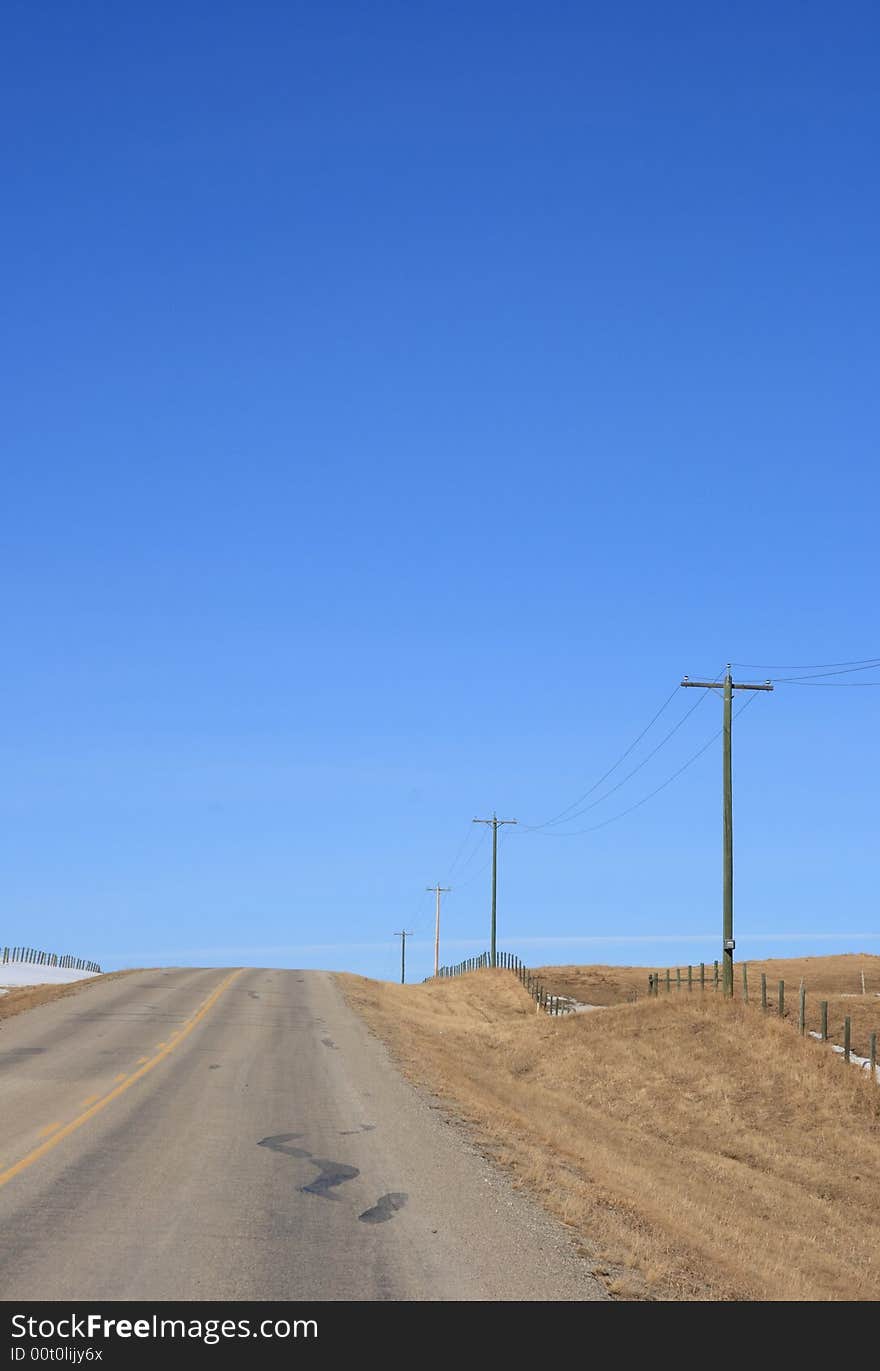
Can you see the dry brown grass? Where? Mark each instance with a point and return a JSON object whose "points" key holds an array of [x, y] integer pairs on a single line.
{"points": [[705, 1148], [23, 997], [824, 977], [603, 985]]}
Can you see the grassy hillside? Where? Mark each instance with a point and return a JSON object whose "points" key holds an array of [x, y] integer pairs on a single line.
{"points": [[835, 979], [699, 1149], [824, 977]]}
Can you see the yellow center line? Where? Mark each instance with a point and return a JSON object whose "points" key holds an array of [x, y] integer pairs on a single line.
{"points": [[59, 1132], [50, 1128], [140, 1062], [90, 1099], [121, 1077]]}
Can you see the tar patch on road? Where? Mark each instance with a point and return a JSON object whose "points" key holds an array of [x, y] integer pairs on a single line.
{"points": [[351, 1132], [280, 1144], [330, 1174], [385, 1208], [328, 1042]]}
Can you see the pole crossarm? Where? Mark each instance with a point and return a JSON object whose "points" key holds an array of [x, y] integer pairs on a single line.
{"points": [[734, 685]]}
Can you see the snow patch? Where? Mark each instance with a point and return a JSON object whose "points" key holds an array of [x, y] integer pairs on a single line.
{"points": [[27, 973], [863, 1062]]}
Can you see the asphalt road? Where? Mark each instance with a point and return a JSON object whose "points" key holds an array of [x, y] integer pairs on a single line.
{"points": [[201, 1134]]}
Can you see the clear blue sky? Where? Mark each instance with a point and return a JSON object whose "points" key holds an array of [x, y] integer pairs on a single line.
{"points": [[397, 400]]}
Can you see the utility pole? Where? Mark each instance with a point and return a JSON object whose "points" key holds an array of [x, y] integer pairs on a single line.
{"points": [[727, 940], [438, 891], [403, 935], [496, 824]]}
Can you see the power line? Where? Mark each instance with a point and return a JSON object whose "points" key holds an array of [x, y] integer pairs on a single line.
{"points": [[630, 774], [460, 885], [422, 919], [628, 777], [462, 845], [463, 865], [593, 828], [474, 852], [807, 666], [622, 758], [829, 685], [846, 671]]}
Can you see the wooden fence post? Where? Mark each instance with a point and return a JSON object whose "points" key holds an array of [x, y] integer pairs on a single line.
{"points": [[745, 982], [690, 978], [874, 1058], [763, 990], [715, 978], [823, 1009], [678, 978], [702, 975], [667, 980], [781, 1000], [802, 1010], [847, 1037]]}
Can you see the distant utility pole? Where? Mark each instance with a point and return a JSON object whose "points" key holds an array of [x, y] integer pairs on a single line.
{"points": [[728, 943], [496, 824], [438, 891], [403, 935]]}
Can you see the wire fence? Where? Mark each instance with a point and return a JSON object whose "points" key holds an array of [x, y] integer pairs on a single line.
{"points": [[59, 959], [508, 961], [693, 979], [696, 979]]}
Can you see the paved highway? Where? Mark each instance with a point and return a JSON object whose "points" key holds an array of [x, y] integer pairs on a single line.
{"points": [[201, 1134]]}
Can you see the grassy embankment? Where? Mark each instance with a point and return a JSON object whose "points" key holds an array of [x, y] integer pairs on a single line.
{"points": [[699, 1149], [835, 979]]}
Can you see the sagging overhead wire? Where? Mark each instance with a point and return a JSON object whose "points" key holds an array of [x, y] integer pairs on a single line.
{"points": [[468, 837], [473, 876], [831, 685], [533, 828], [478, 844], [845, 671], [566, 815], [645, 798], [807, 666]]}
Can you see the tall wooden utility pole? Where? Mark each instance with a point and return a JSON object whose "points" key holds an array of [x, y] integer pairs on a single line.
{"points": [[403, 935], [438, 891], [496, 824], [727, 944]]}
